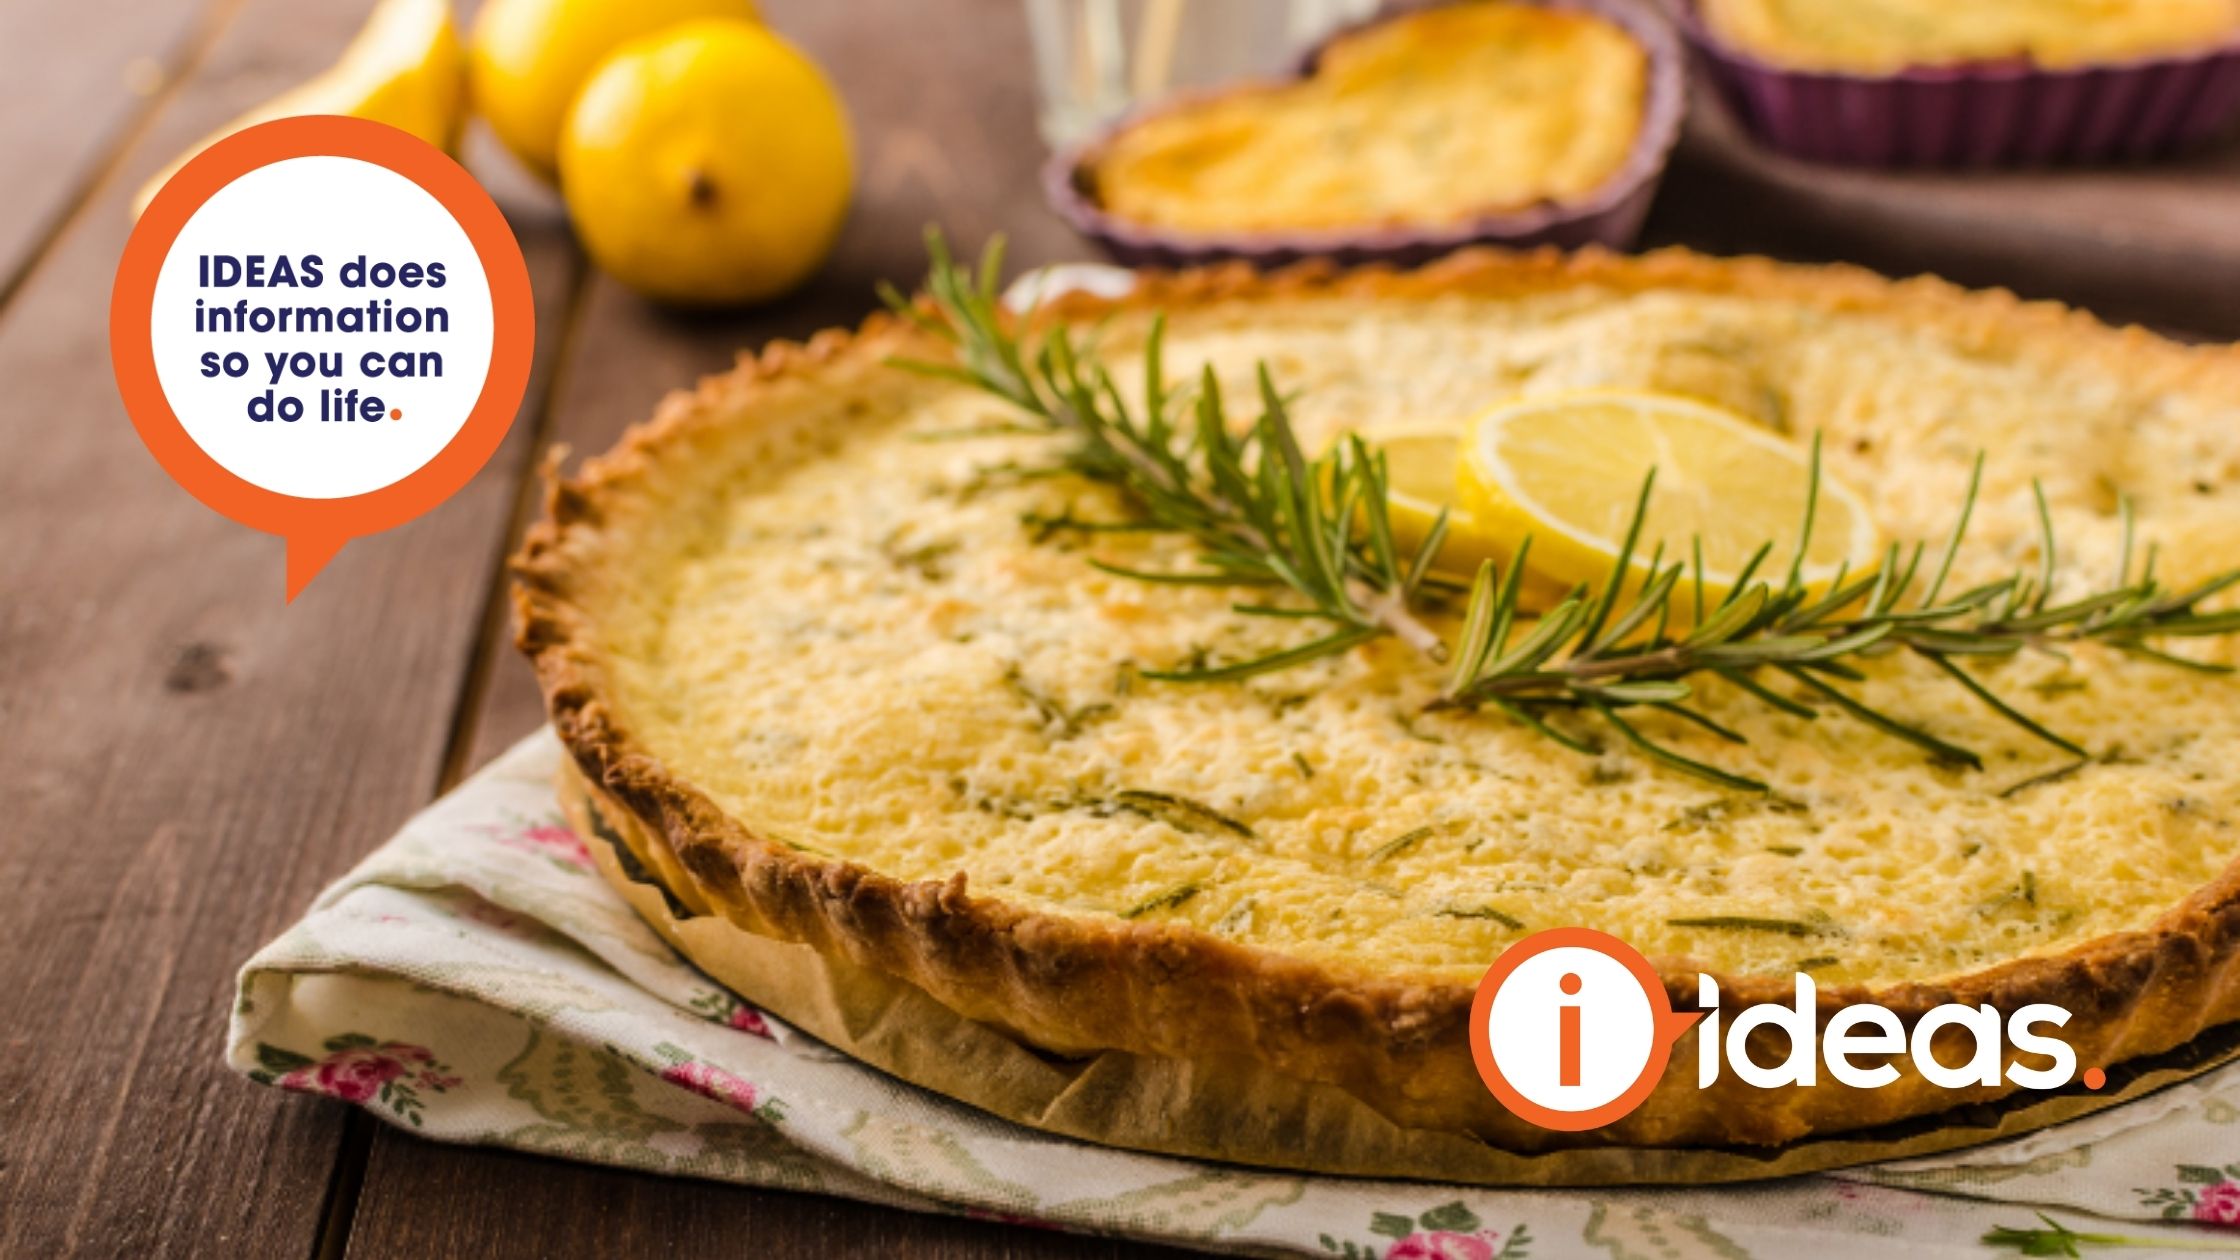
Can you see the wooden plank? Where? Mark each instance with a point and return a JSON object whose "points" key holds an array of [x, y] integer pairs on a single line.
{"points": [[943, 117], [2153, 244], [186, 760], [81, 79], [448, 1201]]}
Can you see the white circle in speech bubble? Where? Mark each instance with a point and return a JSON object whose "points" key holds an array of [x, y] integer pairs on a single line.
{"points": [[339, 209]]}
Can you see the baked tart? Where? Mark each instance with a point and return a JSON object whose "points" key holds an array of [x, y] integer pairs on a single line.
{"points": [[1431, 127], [1924, 83], [843, 662]]}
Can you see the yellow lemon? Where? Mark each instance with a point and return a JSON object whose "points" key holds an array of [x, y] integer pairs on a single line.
{"points": [[707, 165], [404, 69], [527, 59], [1568, 468]]}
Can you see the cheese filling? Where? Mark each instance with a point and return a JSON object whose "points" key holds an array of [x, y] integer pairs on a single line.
{"points": [[881, 642]]}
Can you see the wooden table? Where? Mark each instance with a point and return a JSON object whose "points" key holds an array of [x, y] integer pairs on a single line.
{"points": [[185, 761]]}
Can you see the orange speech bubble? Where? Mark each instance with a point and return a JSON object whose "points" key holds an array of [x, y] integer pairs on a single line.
{"points": [[1664, 1027], [316, 528]]}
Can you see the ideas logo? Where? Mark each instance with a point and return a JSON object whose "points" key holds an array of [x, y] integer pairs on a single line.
{"points": [[1572, 1028]]}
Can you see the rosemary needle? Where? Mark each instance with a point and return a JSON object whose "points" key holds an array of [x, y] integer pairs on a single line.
{"points": [[1401, 844], [1180, 809], [1314, 540], [1167, 900], [1747, 923], [1508, 921]]}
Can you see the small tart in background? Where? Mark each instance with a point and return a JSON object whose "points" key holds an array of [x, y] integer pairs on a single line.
{"points": [[1433, 118], [1422, 130], [1881, 36], [1975, 83]]}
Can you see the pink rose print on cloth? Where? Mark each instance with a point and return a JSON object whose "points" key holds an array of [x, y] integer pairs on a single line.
{"points": [[545, 839], [352, 1076], [2219, 1204], [1443, 1245], [710, 1081], [357, 1069], [2200, 1193], [1448, 1232], [730, 1012]]}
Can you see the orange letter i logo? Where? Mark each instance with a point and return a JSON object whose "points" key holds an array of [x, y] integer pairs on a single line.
{"points": [[1567, 1032]]}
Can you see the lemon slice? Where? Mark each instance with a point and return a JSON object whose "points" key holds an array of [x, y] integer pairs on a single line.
{"points": [[1420, 484], [1421, 477], [1567, 469]]}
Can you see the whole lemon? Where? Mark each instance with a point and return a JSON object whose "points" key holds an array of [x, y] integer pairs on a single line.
{"points": [[707, 165], [527, 59]]}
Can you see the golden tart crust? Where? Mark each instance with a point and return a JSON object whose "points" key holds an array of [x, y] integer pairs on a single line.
{"points": [[1068, 978], [1428, 119], [1882, 36]]}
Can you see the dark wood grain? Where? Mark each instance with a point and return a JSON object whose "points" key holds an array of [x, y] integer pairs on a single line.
{"points": [[185, 760], [423, 1200], [81, 79]]}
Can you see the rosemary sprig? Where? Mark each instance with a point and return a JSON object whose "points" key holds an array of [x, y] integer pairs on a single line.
{"points": [[1263, 515], [1261, 512], [1804, 636]]}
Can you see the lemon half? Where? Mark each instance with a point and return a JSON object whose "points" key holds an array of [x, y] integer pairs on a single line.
{"points": [[1568, 469]]}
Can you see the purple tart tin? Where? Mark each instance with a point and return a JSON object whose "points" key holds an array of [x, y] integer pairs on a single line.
{"points": [[1611, 215], [2004, 113]]}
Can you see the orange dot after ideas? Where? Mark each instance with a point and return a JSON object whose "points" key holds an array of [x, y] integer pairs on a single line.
{"points": [[225, 409]]}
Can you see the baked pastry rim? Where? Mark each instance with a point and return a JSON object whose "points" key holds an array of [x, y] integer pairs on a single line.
{"points": [[1072, 983]]}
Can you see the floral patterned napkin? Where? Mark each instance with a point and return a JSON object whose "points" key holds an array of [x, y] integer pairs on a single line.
{"points": [[476, 981]]}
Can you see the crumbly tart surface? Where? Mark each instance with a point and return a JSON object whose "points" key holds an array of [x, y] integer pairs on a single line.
{"points": [[1429, 119], [1882, 36], [803, 628]]}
